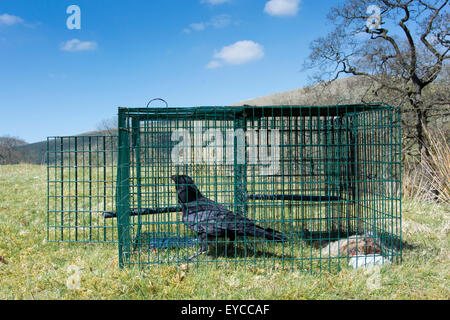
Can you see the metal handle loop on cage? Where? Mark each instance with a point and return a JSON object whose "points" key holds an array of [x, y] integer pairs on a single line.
{"points": [[158, 99]]}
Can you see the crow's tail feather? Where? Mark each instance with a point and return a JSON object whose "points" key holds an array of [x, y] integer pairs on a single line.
{"points": [[269, 234]]}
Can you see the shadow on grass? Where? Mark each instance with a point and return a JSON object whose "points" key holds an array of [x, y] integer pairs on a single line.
{"points": [[246, 250], [222, 248]]}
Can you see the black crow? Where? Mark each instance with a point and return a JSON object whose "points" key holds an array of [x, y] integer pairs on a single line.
{"points": [[210, 219]]}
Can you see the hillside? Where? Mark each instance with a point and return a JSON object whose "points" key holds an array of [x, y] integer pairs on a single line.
{"points": [[35, 153], [341, 91]]}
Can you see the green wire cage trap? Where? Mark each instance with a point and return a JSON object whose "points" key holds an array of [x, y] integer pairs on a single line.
{"points": [[278, 185], [81, 180]]}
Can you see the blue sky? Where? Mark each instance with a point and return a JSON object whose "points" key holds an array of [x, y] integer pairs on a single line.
{"points": [[56, 81]]}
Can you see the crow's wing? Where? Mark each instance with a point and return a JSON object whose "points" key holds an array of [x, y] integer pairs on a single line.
{"points": [[207, 216]]}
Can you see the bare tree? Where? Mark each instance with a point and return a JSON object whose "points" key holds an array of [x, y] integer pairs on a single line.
{"points": [[108, 126], [9, 154], [401, 45]]}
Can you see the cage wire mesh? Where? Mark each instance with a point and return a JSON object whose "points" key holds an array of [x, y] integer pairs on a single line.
{"points": [[81, 175], [307, 180]]}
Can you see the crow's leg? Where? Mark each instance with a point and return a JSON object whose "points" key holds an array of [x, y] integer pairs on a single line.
{"points": [[231, 237], [202, 251], [203, 238], [249, 246]]}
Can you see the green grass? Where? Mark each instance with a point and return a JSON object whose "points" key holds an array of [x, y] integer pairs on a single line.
{"points": [[34, 269]]}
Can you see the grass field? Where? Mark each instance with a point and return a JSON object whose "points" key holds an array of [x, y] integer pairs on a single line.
{"points": [[30, 268]]}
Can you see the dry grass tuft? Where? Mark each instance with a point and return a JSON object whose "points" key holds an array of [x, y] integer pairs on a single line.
{"points": [[429, 180], [436, 166]]}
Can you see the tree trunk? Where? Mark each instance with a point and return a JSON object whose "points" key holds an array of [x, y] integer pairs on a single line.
{"points": [[416, 100], [421, 126]]}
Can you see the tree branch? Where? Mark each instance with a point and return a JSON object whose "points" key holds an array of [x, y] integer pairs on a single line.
{"points": [[430, 27]]}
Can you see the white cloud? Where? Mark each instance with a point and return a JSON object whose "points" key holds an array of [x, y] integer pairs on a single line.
{"points": [[197, 26], [282, 7], [214, 2], [213, 64], [238, 53], [9, 20], [78, 45], [218, 22]]}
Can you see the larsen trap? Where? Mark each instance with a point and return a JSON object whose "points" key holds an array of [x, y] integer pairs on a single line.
{"points": [[81, 179], [300, 187]]}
